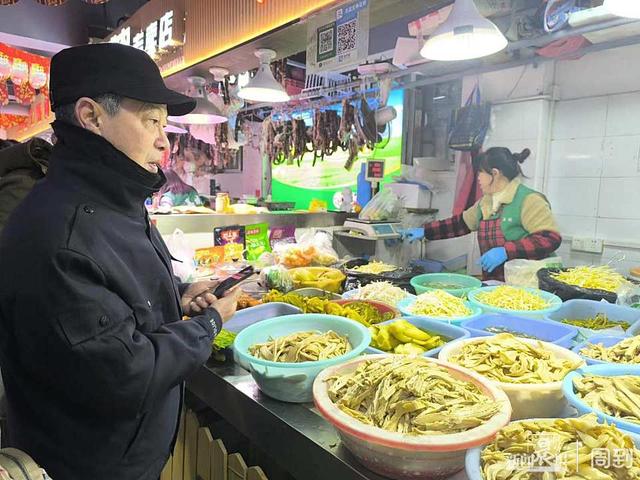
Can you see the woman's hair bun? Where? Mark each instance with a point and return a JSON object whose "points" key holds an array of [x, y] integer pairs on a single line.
{"points": [[522, 156]]}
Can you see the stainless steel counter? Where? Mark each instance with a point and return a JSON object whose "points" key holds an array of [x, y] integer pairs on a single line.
{"points": [[207, 222], [294, 434]]}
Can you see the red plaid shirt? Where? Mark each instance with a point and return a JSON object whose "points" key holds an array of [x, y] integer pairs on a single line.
{"points": [[535, 246]]}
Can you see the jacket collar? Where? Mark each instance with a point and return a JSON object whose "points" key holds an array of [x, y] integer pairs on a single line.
{"points": [[490, 204], [89, 164]]}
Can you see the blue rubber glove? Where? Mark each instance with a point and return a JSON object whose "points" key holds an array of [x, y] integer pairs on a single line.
{"points": [[493, 259], [412, 234]]}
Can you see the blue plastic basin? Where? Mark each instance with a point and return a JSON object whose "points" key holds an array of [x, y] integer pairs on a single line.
{"points": [[293, 382], [554, 303], [606, 340], [607, 370], [465, 283], [405, 305], [545, 330], [473, 465], [580, 309], [449, 332]]}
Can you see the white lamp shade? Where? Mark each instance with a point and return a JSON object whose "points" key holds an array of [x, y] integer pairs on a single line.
{"points": [[464, 35], [263, 87], [623, 8], [205, 113]]}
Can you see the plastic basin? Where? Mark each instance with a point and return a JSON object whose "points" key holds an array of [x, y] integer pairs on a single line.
{"points": [[249, 316], [381, 307], [608, 370], [606, 340], [408, 457], [405, 305], [474, 468], [351, 295], [554, 301], [528, 400], [580, 309], [449, 332], [292, 382], [465, 283], [544, 330]]}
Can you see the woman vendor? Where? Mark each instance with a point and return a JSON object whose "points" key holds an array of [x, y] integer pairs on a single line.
{"points": [[512, 220]]}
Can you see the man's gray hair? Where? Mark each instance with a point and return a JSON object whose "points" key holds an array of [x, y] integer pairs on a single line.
{"points": [[109, 101]]}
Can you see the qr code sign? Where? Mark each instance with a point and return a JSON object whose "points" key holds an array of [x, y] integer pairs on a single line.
{"points": [[326, 42], [347, 33]]}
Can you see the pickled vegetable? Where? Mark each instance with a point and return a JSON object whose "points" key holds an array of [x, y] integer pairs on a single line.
{"points": [[597, 278], [410, 395], [626, 351], [512, 298], [375, 268], [599, 322], [302, 347], [404, 338], [617, 396], [385, 292], [571, 449], [361, 312], [439, 304], [507, 359]]}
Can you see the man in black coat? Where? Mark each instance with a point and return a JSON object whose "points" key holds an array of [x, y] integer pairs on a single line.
{"points": [[93, 350]]}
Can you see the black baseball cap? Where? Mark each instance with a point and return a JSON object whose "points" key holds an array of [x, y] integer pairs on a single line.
{"points": [[100, 68]]}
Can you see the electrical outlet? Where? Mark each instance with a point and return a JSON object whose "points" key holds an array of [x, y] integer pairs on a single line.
{"points": [[589, 245]]}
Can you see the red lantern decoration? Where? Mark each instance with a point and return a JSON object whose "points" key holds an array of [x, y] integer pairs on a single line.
{"points": [[51, 3], [37, 76], [24, 93], [5, 67], [4, 94], [19, 71]]}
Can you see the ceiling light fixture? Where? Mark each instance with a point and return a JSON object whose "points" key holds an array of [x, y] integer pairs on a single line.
{"points": [[263, 87], [464, 35], [205, 113], [623, 8]]}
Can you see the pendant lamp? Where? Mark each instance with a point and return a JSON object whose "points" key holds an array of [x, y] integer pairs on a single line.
{"points": [[263, 87], [464, 35], [623, 8], [205, 113]]}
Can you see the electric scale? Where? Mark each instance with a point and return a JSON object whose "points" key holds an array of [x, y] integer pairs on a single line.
{"points": [[371, 230]]}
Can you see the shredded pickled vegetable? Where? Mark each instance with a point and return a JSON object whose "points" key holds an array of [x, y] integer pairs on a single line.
{"points": [[385, 292], [375, 268], [596, 278], [512, 298], [439, 304], [626, 351]]}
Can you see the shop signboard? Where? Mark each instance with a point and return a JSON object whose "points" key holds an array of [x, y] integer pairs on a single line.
{"points": [[338, 39], [157, 28]]}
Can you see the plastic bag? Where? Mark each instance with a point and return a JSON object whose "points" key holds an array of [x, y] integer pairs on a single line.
{"points": [[276, 278], [314, 248], [524, 273], [185, 266], [385, 205]]}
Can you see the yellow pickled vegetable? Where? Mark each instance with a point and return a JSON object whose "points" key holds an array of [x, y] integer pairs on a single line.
{"points": [[512, 298], [403, 337], [626, 351], [618, 396], [507, 359], [385, 292], [596, 278], [375, 268], [439, 304], [302, 347]]}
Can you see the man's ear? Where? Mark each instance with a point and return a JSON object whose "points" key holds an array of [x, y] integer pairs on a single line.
{"points": [[89, 115]]}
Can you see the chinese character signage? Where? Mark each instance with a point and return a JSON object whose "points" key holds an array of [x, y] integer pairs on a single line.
{"points": [[157, 28], [338, 39]]}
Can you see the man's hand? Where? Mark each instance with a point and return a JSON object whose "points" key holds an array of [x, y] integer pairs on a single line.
{"points": [[227, 305], [197, 297]]}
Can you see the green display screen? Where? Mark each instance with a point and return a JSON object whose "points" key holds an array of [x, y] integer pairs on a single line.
{"points": [[328, 178]]}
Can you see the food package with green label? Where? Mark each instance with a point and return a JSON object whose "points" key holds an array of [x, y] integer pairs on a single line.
{"points": [[257, 241]]}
